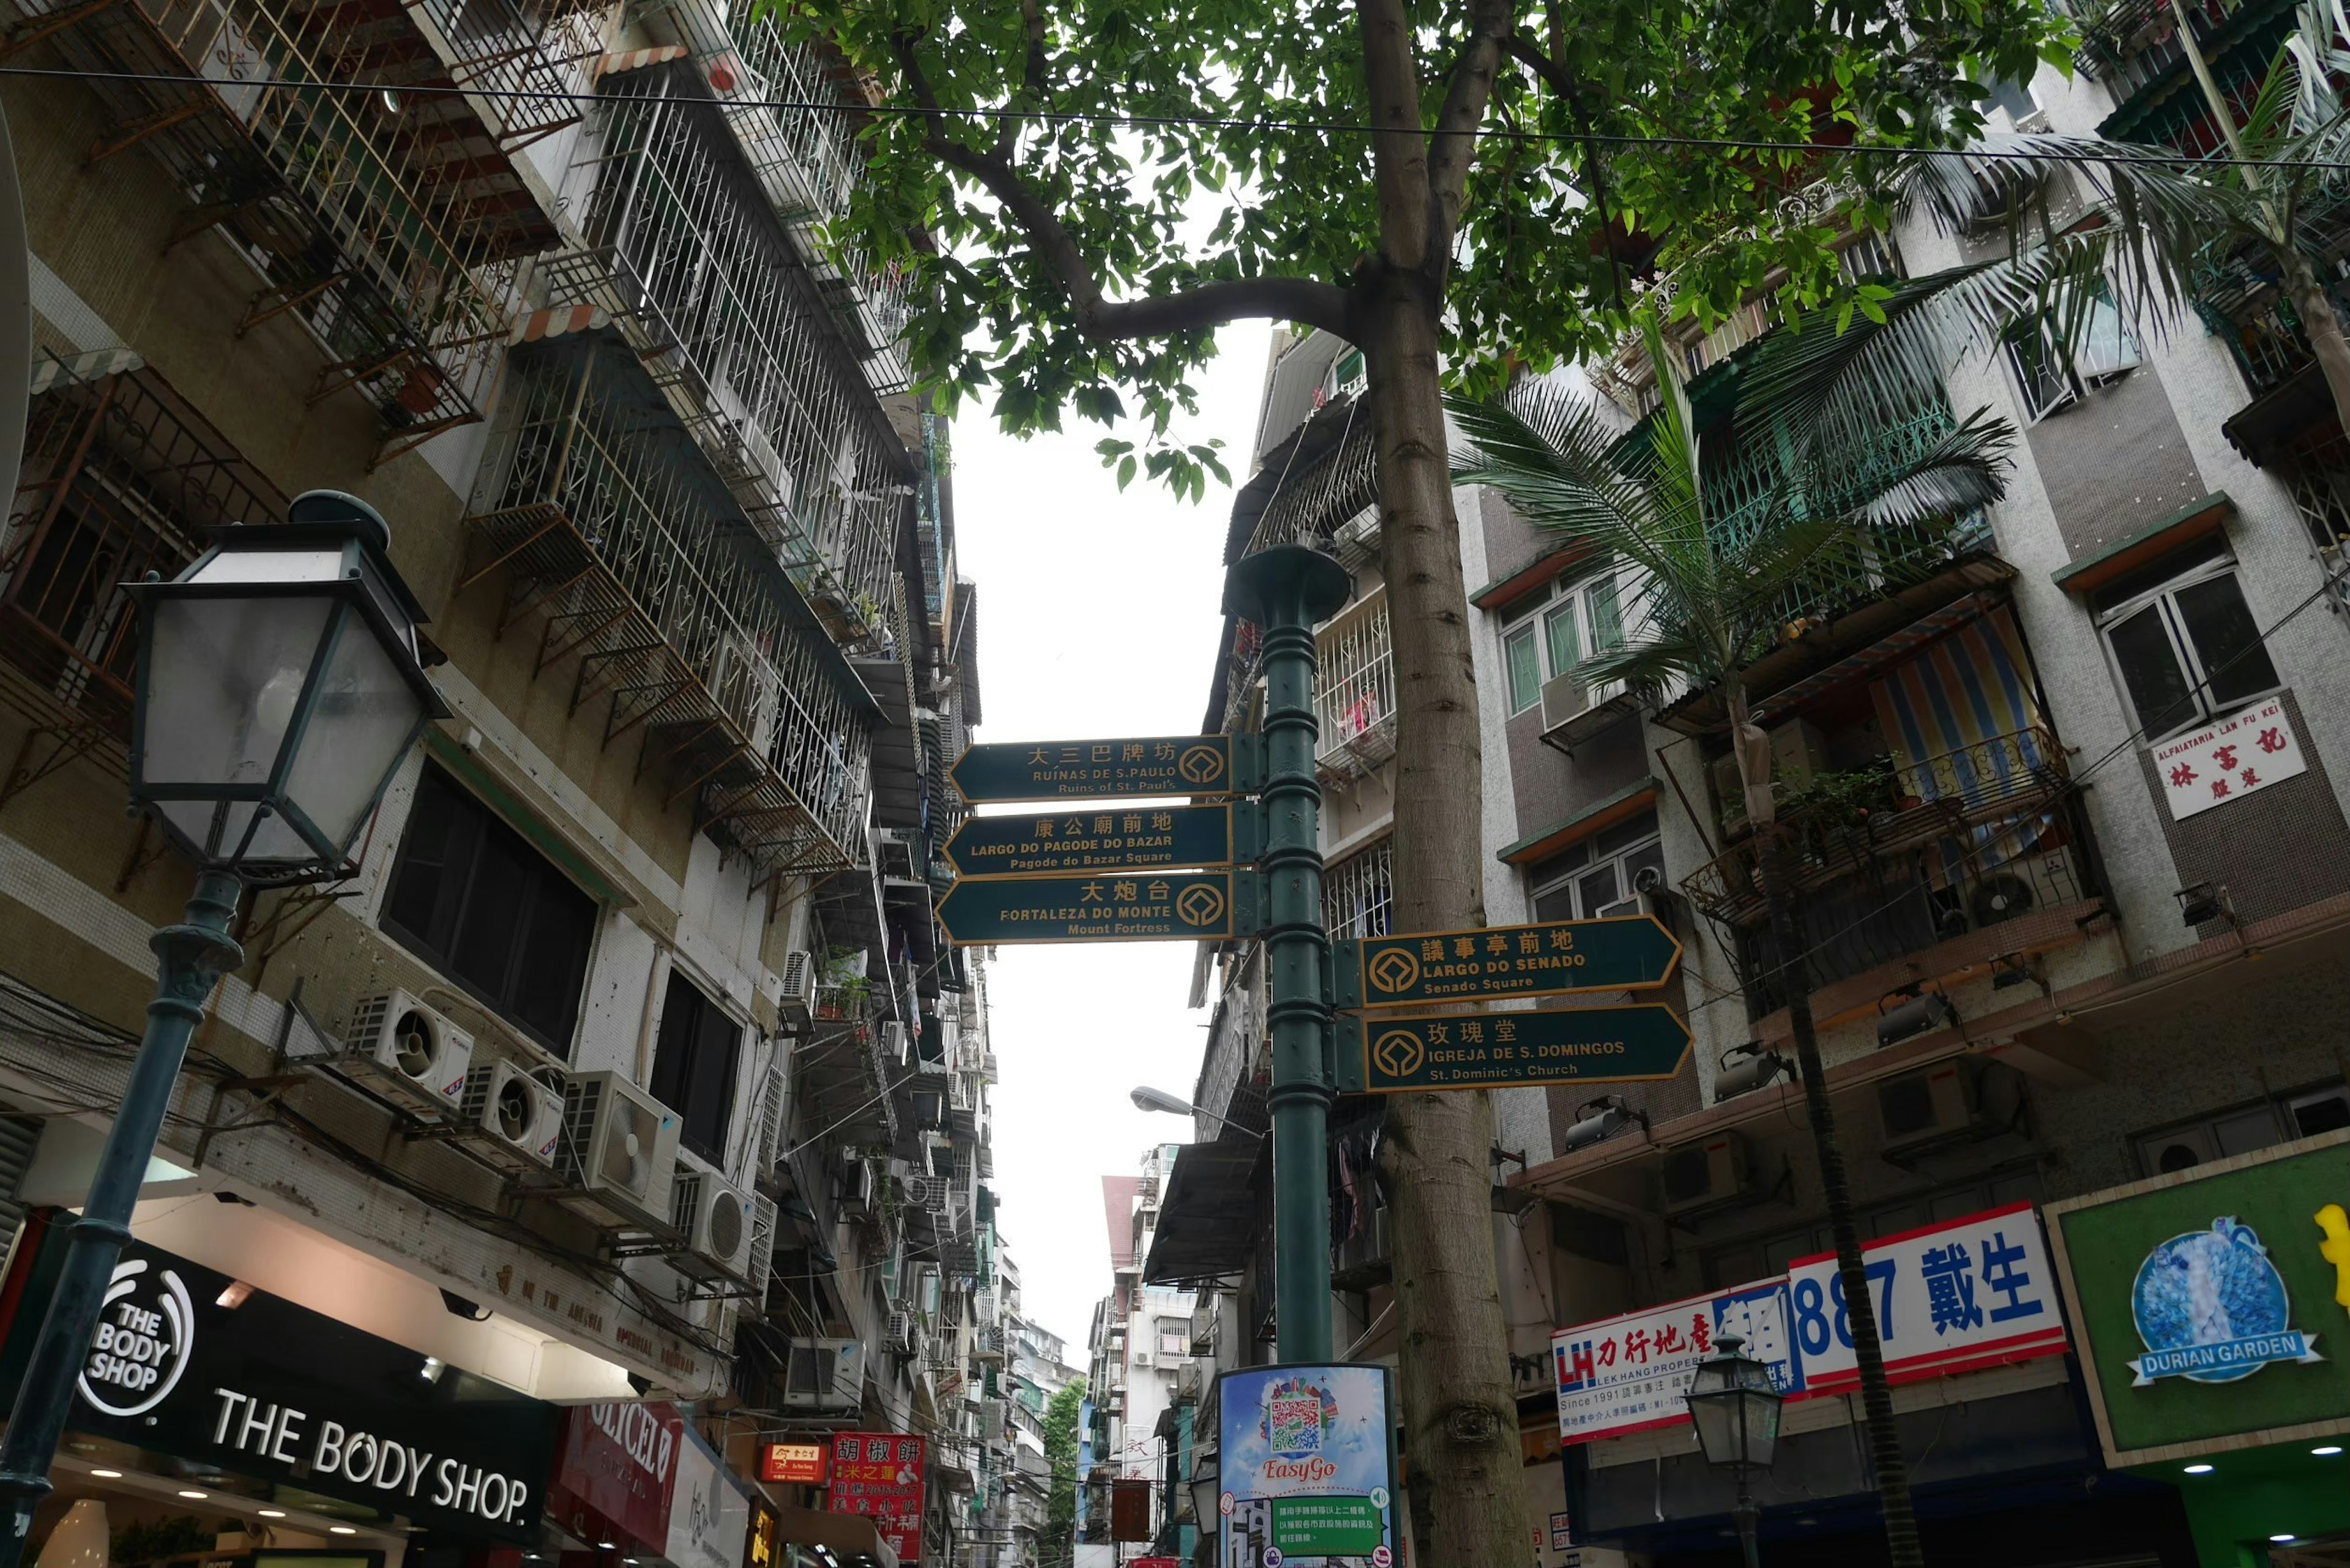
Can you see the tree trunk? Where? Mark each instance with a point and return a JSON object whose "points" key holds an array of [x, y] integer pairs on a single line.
{"points": [[1775, 865], [2315, 308], [1460, 1416]]}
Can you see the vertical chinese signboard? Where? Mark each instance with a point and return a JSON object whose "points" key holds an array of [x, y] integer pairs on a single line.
{"points": [[1308, 1464], [879, 1475], [1953, 1297]]}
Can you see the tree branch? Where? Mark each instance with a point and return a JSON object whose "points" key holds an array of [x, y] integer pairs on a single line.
{"points": [[1032, 75], [1398, 145], [1465, 98], [1303, 299]]}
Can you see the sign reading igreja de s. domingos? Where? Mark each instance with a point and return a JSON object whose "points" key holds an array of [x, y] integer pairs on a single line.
{"points": [[190, 1362]]}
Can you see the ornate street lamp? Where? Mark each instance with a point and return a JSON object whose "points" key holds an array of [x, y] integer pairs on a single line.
{"points": [[279, 687], [1736, 1411]]}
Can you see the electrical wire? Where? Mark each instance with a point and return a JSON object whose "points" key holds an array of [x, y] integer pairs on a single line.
{"points": [[1195, 123]]}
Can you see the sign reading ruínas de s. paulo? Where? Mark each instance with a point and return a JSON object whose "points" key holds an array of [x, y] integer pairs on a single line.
{"points": [[1553, 958], [1166, 765], [1104, 838], [1133, 907], [1508, 1050]]}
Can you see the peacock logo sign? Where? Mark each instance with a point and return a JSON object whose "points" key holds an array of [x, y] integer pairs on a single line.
{"points": [[146, 1332], [2209, 1306]]}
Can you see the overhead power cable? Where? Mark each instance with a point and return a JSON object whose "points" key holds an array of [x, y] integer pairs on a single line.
{"points": [[1203, 122]]}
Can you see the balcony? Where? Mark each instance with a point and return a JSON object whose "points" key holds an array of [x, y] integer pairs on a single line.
{"points": [[839, 1075], [120, 479], [1353, 694], [1982, 839], [389, 222], [610, 531], [702, 281], [2134, 45]]}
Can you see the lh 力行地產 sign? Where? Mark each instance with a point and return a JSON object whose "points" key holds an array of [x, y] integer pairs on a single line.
{"points": [[1169, 766], [190, 1362], [1556, 958]]}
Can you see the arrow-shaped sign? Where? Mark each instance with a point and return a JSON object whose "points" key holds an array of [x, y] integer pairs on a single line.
{"points": [[1106, 839], [1132, 769], [1135, 906], [1557, 958], [1514, 1050]]}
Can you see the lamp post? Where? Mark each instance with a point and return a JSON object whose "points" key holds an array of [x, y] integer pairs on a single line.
{"points": [[1286, 591], [1149, 1099], [278, 688], [1736, 1410]]}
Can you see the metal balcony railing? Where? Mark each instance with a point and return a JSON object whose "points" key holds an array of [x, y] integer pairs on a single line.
{"points": [[120, 479], [611, 529], [2131, 45], [388, 219], [1353, 696], [1957, 843], [690, 260]]}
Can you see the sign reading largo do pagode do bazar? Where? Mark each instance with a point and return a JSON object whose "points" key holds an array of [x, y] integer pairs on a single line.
{"points": [[1556, 958], [1157, 765], [1513, 1050], [1106, 838], [1134, 907]]}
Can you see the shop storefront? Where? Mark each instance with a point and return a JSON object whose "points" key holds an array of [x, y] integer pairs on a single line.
{"points": [[2212, 1309], [214, 1418]]}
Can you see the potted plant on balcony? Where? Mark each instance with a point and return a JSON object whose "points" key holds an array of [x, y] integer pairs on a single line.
{"points": [[1708, 606]]}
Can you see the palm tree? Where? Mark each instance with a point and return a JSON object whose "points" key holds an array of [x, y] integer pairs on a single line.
{"points": [[1714, 599]]}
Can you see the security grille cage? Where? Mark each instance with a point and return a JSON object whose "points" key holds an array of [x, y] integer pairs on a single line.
{"points": [[1356, 893], [120, 478], [613, 530], [386, 217], [1355, 686], [687, 245]]}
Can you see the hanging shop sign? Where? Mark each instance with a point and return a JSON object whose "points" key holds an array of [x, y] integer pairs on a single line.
{"points": [[2213, 1304], [1308, 1465], [796, 1464], [1129, 1510], [879, 1475], [2230, 759], [616, 1473], [1557, 958], [194, 1363], [1124, 769], [1959, 1296], [708, 1516]]}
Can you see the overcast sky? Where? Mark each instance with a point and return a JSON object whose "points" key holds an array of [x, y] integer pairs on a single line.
{"points": [[1098, 616]]}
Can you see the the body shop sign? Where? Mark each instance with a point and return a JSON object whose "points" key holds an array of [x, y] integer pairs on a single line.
{"points": [[1308, 1466], [194, 1363], [616, 1472]]}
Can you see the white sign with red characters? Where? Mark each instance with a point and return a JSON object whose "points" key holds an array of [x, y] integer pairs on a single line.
{"points": [[1627, 1374], [2246, 750]]}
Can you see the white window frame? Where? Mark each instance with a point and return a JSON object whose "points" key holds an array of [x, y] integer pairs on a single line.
{"points": [[2203, 710], [1571, 878], [1533, 616], [2109, 351]]}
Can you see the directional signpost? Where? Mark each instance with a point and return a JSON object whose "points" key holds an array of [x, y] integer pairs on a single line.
{"points": [[1555, 959], [1156, 765], [1176, 906], [1113, 838], [1512, 1050]]}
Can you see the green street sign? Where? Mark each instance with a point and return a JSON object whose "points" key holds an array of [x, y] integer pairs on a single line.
{"points": [[1510, 1050], [1142, 907], [1104, 770], [1558, 957], [1106, 838]]}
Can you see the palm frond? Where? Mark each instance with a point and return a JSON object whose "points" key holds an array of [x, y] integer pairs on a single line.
{"points": [[1964, 471]]}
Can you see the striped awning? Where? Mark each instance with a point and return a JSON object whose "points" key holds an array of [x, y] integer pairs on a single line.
{"points": [[557, 321], [612, 65], [49, 370]]}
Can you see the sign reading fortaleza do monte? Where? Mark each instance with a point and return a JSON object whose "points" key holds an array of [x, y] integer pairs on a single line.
{"points": [[1510, 1050], [1132, 907], [1106, 838], [1094, 770], [1554, 958]]}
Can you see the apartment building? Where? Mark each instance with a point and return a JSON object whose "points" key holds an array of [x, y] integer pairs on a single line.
{"points": [[624, 1060], [1142, 1386]]}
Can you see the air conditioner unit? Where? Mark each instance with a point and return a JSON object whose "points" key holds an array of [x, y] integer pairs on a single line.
{"points": [[824, 1374], [1142, 1360], [620, 1151], [717, 1226], [775, 1113], [513, 1120], [893, 1043], [1702, 1177], [930, 1194], [899, 1333], [410, 1052], [798, 1002], [897, 855], [861, 1187], [1953, 1101]]}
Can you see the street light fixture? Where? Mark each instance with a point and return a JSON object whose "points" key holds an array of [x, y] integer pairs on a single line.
{"points": [[1736, 1411], [279, 687], [1149, 1099]]}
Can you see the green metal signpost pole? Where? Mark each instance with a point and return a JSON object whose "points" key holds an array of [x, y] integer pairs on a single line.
{"points": [[1284, 592]]}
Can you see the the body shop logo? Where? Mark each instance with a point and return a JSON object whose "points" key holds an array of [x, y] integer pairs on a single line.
{"points": [[2211, 1308], [146, 1332]]}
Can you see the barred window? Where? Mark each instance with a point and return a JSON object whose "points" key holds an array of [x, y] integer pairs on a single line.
{"points": [[1356, 893]]}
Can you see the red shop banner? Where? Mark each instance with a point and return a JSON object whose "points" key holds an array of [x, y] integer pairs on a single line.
{"points": [[614, 1474], [879, 1475]]}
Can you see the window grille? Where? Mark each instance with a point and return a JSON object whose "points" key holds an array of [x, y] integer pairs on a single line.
{"points": [[1356, 689], [1356, 893]]}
